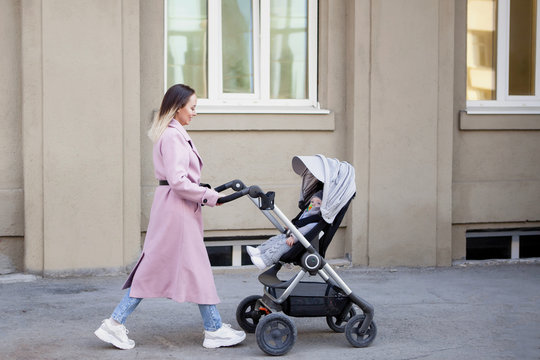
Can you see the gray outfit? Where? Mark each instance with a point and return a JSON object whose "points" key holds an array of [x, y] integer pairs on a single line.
{"points": [[273, 248]]}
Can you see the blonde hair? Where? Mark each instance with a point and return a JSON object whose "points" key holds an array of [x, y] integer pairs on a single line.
{"points": [[175, 98], [159, 124]]}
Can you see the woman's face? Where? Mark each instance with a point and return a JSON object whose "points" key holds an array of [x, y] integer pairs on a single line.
{"points": [[184, 115]]}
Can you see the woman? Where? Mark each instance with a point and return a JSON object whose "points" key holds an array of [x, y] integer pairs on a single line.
{"points": [[174, 263]]}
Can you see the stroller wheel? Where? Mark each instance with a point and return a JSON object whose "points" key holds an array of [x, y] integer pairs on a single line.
{"points": [[337, 324], [356, 338], [248, 313], [276, 334]]}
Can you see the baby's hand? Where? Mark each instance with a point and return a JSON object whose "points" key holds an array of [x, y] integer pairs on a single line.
{"points": [[290, 241]]}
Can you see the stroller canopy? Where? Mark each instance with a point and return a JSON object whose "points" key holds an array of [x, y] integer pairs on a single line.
{"points": [[338, 182]]}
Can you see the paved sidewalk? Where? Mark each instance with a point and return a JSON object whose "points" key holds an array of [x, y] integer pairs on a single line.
{"points": [[463, 312]]}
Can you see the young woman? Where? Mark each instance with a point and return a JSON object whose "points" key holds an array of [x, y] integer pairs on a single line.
{"points": [[174, 263]]}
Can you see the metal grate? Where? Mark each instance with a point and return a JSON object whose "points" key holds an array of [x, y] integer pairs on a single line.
{"points": [[503, 244]]}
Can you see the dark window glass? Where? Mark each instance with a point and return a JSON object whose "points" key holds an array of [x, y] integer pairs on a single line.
{"points": [[220, 255], [529, 246], [245, 256], [495, 247]]}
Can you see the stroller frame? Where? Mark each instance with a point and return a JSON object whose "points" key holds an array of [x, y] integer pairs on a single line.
{"points": [[276, 333]]}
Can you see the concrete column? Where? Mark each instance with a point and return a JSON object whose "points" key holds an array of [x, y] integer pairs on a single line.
{"points": [[358, 116], [410, 133], [81, 134], [11, 169], [32, 116], [445, 130]]}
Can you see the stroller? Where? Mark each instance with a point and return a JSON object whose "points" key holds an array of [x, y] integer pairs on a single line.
{"points": [[268, 315]]}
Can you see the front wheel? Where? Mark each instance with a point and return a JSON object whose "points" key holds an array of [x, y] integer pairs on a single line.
{"points": [[247, 313], [357, 338], [276, 334]]}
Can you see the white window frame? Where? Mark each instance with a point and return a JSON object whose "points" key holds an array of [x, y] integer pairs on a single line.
{"points": [[259, 101], [504, 103]]}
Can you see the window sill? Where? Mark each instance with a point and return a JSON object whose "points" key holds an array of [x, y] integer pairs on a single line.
{"points": [[257, 109], [503, 110], [223, 121], [498, 121]]}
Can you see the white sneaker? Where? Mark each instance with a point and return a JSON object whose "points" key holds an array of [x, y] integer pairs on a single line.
{"points": [[253, 251], [114, 334], [224, 336], [258, 262]]}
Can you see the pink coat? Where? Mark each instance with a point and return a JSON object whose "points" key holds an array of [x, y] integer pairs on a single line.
{"points": [[174, 263]]}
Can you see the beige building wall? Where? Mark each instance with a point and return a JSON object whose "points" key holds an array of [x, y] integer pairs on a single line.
{"points": [[81, 134], [11, 168], [81, 81], [410, 127], [496, 168], [256, 148], [399, 144]]}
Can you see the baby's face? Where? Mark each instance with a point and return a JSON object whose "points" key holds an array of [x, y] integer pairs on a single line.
{"points": [[315, 201]]}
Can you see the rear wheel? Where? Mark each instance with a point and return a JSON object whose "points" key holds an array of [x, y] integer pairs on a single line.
{"points": [[248, 314], [276, 334], [357, 338]]}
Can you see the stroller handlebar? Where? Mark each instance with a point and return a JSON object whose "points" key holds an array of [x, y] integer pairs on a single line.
{"points": [[266, 201], [236, 185]]}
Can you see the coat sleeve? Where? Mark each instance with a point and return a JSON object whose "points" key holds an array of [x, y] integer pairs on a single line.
{"points": [[176, 153]]}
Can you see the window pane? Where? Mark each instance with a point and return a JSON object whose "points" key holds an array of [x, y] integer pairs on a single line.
{"points": [[237, 46], [186, 44], [220, 255], [522, 58], [246, 259], [495, 247], [529, 246], [288, 49], [481, 49]]}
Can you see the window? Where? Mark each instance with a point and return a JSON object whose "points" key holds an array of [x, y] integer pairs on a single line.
{"points": [[503, 52], [231, 251], [244, 53]]}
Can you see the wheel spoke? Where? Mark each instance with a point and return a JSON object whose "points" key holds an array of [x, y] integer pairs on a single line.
{"points": [[248, 315]]}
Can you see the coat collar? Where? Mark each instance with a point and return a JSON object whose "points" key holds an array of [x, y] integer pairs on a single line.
{"points": [[175, 124]]}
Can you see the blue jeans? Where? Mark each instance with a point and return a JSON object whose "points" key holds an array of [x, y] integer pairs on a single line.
{"points": [[209, 313]]}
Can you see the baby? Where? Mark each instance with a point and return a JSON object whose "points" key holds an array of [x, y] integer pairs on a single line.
{"points": [[271, 250]]}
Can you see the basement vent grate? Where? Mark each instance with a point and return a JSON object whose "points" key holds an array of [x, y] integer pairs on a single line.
{"points": [[503, 244]]}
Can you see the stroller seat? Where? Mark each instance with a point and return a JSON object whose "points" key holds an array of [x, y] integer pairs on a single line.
{"points": [[319, 243], [294, 256]]}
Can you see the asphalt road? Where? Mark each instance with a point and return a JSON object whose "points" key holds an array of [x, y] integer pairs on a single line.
{"points": [[461, 312]]}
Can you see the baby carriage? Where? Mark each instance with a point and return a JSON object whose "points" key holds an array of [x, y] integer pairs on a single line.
{"points": [[268, 316]]}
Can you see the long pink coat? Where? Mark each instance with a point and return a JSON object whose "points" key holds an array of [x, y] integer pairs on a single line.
{"points": [[174, 263]]}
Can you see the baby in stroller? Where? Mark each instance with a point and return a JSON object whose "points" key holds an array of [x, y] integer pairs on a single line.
{"points": [[271, 250]]}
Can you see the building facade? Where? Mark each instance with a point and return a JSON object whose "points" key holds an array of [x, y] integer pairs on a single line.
{"points": [[81, 80]]}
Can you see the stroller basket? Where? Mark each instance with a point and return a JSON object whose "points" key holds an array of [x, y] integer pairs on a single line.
{"points": [[313, 299]]}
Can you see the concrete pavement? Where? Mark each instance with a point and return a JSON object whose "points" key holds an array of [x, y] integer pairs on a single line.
{"points": [[462, 312]]}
